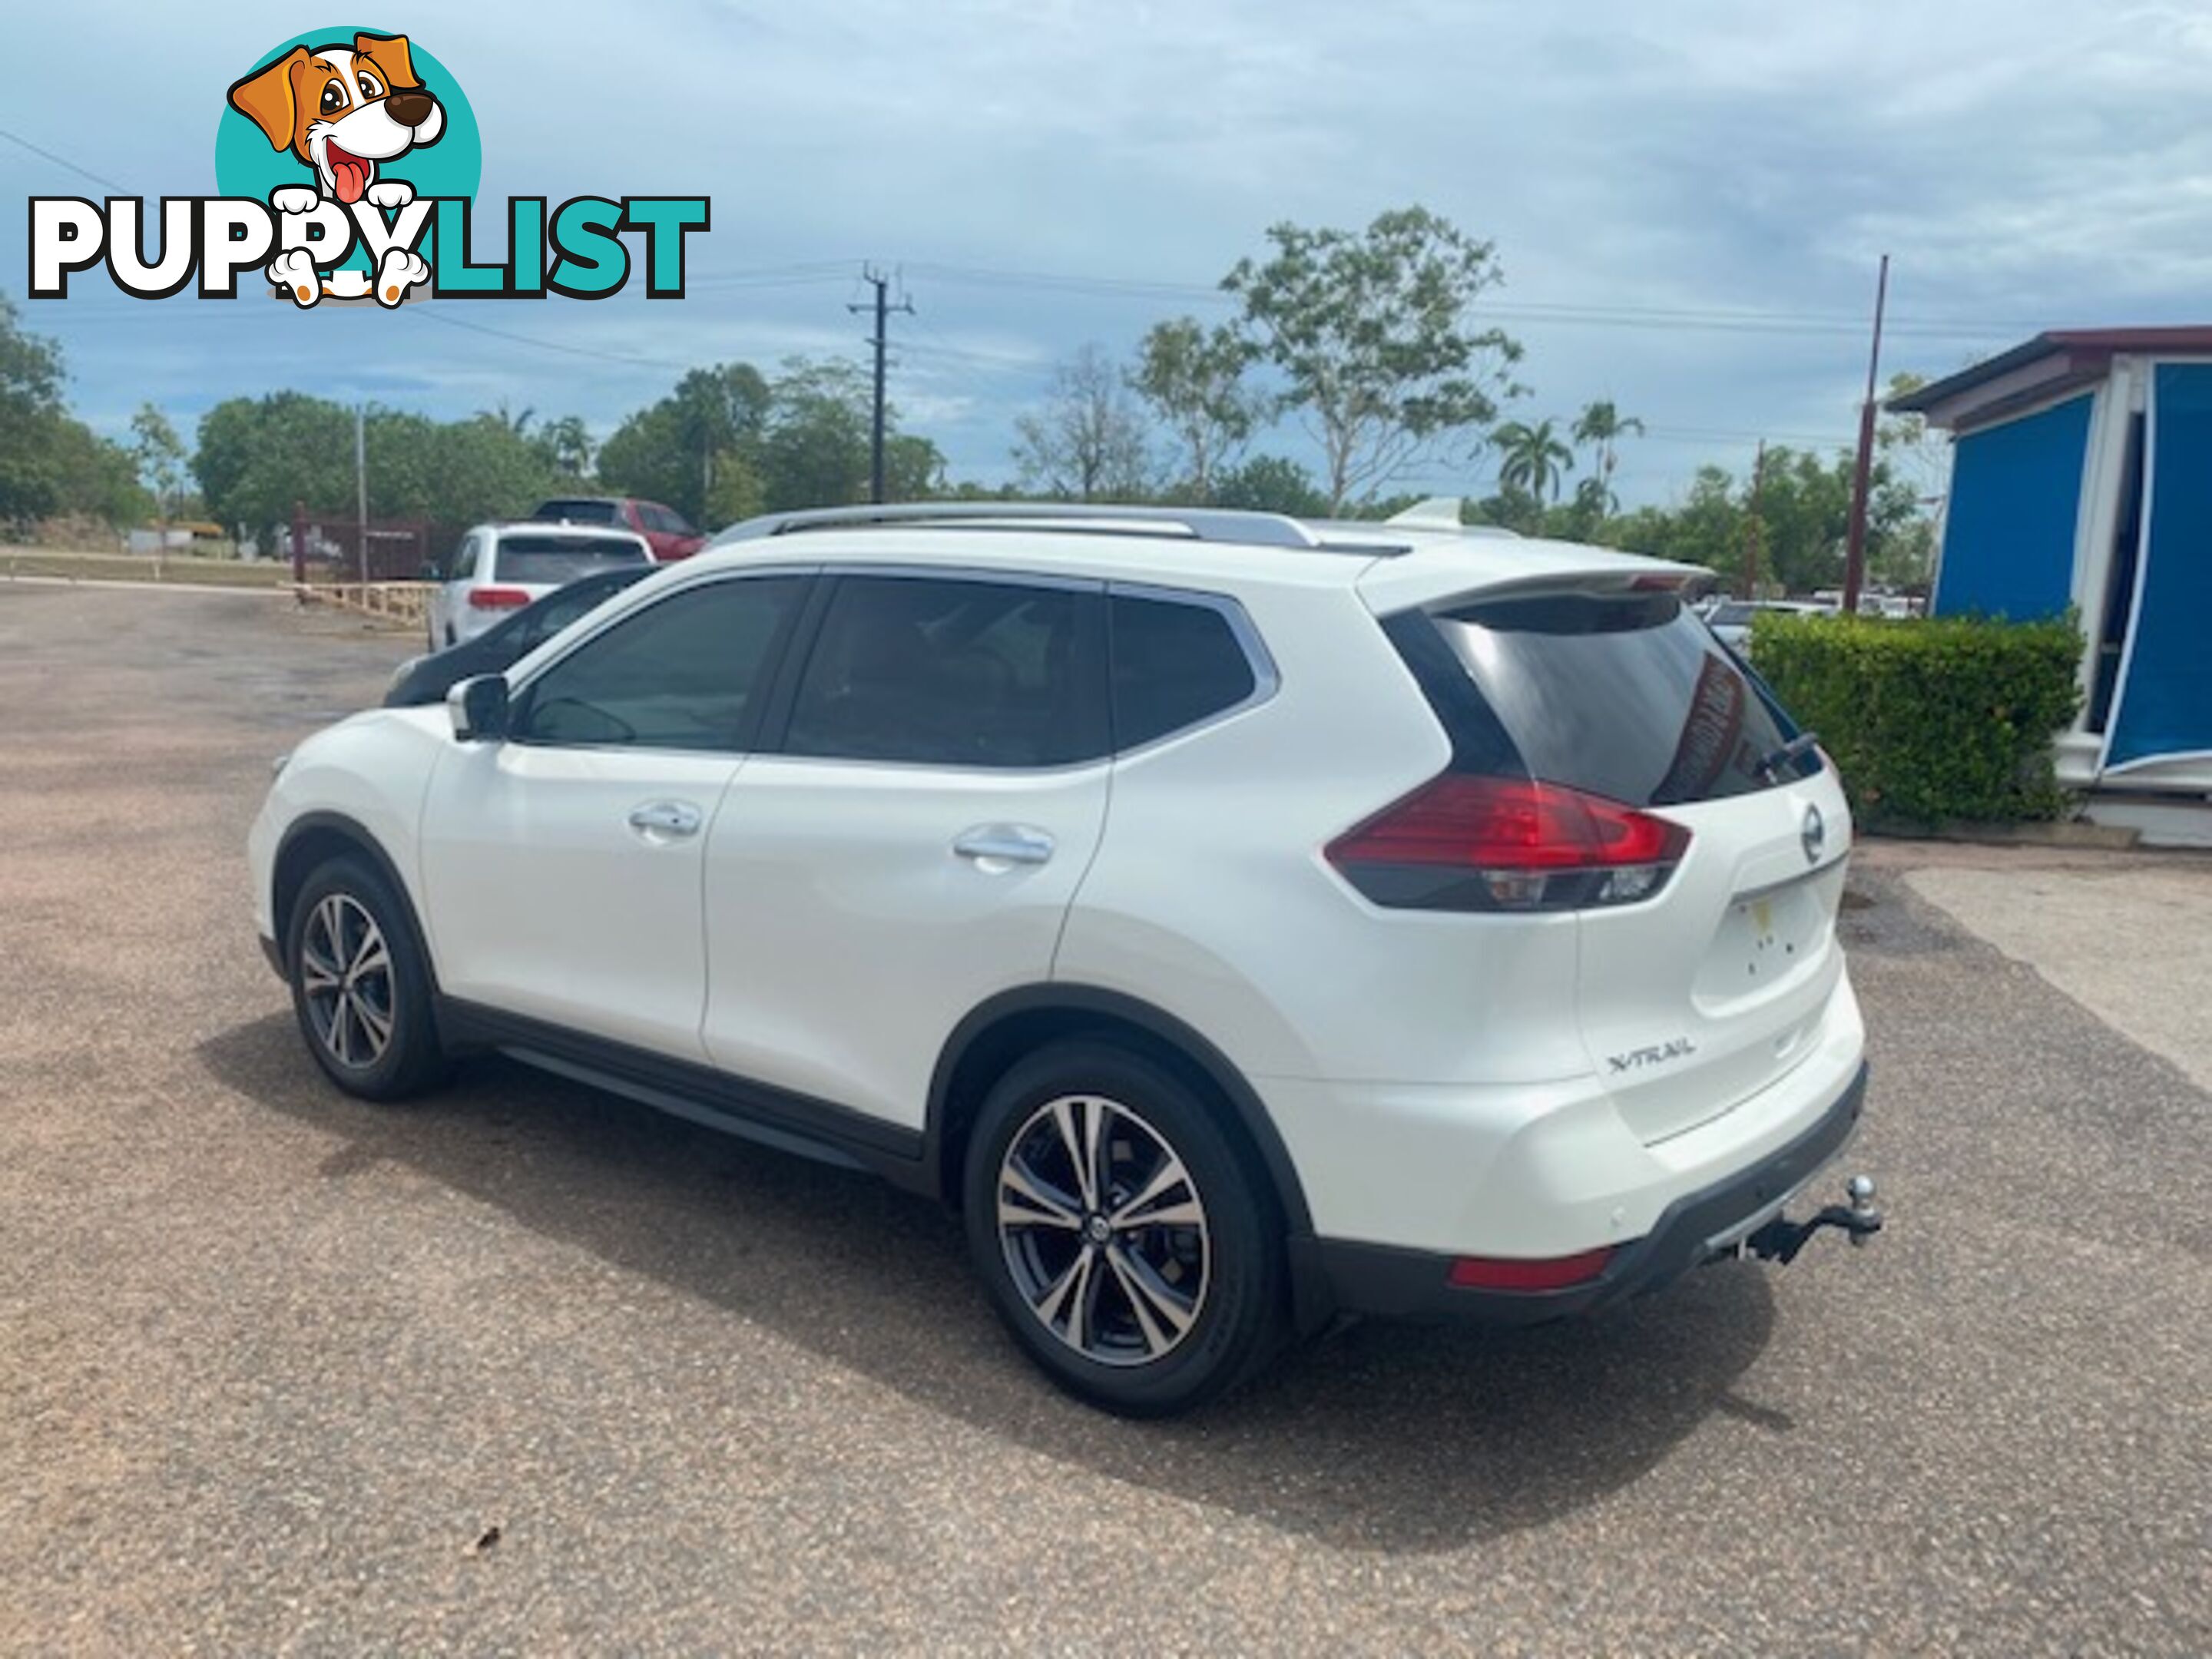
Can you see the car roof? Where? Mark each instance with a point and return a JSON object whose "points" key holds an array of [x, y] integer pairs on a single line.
{"points": [[1392, 566], [558, 527]]}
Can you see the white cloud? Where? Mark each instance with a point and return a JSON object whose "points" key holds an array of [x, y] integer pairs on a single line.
{"points": [[2026, 162]]}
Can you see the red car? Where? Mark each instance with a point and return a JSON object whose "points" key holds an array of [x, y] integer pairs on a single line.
{"points": [[667, 532]]}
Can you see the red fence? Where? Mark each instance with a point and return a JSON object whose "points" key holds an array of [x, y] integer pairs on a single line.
{"points": [[325, 549]]}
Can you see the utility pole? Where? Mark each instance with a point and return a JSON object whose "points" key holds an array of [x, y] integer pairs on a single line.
{"points": [[1854, 552], [1754, 526], [361, 485], [880, 340]]}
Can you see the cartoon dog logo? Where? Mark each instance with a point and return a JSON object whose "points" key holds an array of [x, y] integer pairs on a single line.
{"points": [[343, 111]]}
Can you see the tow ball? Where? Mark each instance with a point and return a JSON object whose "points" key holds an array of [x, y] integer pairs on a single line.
{"points": [[1780, 1239]]}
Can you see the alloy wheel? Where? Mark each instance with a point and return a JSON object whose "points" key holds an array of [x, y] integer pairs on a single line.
{"points": [[1103, 1231], [345, 975]]}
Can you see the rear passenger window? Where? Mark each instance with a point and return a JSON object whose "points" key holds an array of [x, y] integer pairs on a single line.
{"points": [[1174, 664], [938, 671]]}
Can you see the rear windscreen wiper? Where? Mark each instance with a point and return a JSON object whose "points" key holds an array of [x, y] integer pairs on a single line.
{"points": [[1770, 766]]}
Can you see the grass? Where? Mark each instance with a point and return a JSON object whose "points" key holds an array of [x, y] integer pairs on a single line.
{"points": [[134, 568]]}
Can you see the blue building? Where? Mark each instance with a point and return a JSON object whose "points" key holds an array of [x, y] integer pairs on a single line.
{"points": [[2081, 477]]}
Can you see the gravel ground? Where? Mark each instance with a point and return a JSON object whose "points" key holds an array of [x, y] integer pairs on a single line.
{"points": [[2129, 938], [274, 1364]]}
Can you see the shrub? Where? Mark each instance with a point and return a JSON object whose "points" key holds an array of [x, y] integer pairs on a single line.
{"points": [[1948, 718]]}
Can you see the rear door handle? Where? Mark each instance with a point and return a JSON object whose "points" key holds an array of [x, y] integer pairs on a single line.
{"points": [[666, 820], [1002, 844]]}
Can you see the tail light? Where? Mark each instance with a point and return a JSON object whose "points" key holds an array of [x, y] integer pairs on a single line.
{"points": [[497, 598], [1463, 842], [1557, 1272]]}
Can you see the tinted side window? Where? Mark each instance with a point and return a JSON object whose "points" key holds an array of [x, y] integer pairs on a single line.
{"points": [[685, 673], [947, 672], [1175, 664], [666, 520], [543, 620], [464, 562]]}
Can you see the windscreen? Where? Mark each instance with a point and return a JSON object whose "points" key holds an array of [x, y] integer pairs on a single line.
{"points": [[552, 560], [582, 512], [1623, 695]]}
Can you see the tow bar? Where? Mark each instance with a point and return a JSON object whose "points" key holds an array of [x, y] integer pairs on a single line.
{"points": [[1780, 1239]]}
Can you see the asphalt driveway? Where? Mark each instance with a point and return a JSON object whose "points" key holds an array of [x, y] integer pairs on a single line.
{"points": [[525, 1368]]}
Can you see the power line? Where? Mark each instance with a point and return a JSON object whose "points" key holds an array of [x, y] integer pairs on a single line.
{"points": [[64, 161], [547, 345], [1596, 314]]}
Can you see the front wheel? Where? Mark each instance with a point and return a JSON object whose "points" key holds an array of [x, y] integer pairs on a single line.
{"points": [[360, 988], [1125, 1241]]}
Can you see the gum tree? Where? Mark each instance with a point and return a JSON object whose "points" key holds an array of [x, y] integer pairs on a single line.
{"points": [[1373, 336]]}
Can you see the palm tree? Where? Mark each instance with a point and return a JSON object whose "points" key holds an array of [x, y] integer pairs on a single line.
{"points": [[1532, 458], [1601, 426], [517, 424]]}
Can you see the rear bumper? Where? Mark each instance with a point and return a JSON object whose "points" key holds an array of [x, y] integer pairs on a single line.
{"points": [[1390, 1283]]}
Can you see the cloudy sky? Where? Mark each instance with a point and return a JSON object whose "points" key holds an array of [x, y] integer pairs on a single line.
{"points": [[1687, 199]]}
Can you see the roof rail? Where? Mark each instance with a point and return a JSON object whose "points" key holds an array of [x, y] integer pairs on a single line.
{"points": [[1203, 524]]}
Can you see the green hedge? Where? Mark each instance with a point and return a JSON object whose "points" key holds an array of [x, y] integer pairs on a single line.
{"points": [[1929, 721]]}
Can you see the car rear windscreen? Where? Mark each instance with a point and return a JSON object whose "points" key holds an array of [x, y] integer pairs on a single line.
{"points": [[552, 560], [584, 512], [1623, 695]]}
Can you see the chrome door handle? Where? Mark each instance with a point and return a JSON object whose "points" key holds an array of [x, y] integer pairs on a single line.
{"points": [[672, 818], [1004, 843]]}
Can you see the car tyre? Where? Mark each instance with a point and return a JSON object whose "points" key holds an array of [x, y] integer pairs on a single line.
{"points": [[1154, 1283], [361, 984]]}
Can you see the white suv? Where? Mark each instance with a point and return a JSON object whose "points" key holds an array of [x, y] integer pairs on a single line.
{"points": [[1241, 921], [498, 568]]}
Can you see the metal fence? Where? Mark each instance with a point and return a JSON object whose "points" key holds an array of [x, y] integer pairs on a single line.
{"points": [[326, 551]]}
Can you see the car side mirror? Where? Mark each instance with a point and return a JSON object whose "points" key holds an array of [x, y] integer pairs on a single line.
{"points": [[478, 708], [433, 571]]}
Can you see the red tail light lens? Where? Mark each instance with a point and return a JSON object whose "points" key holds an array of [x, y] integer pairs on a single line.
{"points": [[497, 598], [1467, 842], [1483, 1273]]}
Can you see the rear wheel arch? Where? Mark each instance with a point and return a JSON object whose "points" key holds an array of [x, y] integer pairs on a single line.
{"points": [[996, 1035], [313, 841]]}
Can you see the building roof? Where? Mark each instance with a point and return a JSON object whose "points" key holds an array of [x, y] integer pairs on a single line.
{"points": [[2057, 361]]}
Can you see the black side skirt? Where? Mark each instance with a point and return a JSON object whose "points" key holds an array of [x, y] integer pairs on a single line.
{"points": [[792, 1122]]}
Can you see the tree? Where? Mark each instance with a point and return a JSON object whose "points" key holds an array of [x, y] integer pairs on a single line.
{"points": [[1193, 379], [1089, 442], [913, 468], [30, 407], [669, 452], [160, 457], [815, 452], [257, 455], [517, 424], [51, 463], [1602, 427], [1270, 484], [1372, 336], [565, 447], [1532, 458]]}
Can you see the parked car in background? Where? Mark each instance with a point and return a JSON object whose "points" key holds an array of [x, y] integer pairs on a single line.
{"points": [[1461, 943], [427, 679], [500, 568], [667, 532], [1730, 620]]}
